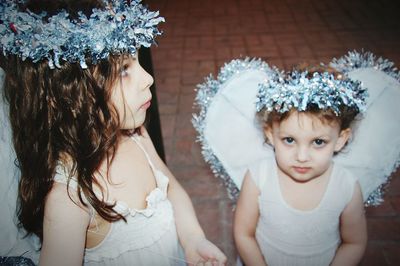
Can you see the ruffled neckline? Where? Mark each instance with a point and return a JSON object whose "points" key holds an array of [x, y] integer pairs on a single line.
{"points": [[158, 194]]}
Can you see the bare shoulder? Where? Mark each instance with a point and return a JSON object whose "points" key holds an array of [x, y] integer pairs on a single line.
{"points": [[62, 202], [247, 211], [64, 228], [249, 192], [356, 204], [353, 224], [249, 184], [354, 213]]}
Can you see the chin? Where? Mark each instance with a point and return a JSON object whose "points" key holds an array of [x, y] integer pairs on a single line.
{"points": [[306, 177], [303, 179], [132, 124]]}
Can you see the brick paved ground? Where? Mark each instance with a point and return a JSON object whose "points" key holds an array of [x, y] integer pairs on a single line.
{"points": [[201, 35]]}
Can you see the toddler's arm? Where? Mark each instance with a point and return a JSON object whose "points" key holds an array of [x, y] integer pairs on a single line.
{"points": [[64, 228], [245, 222], [197, 247], [353, 230]]}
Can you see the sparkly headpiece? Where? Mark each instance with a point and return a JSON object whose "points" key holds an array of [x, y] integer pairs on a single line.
{"points": [[298, 91], [122, 27]]}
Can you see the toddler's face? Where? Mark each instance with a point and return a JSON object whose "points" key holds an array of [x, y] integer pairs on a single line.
{"points": [[131, 93], [304, 146]]}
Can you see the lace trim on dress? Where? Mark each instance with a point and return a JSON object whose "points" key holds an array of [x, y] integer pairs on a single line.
{"points": [[139, 235]]}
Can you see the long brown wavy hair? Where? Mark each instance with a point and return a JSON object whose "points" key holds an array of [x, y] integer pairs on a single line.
{"points": [[57, 114]]}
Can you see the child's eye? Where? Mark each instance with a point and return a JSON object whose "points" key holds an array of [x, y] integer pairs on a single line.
{"points": [[319, 142], [288, 140], [124, 70]]}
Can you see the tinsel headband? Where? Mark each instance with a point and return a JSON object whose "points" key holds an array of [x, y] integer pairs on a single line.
{"points": [[298, 91], [121, 27]]}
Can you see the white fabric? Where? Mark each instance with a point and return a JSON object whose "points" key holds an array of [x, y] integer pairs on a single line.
{"points": [[230, 126], [12, 241], [148, 237], [236, 139], [375, 151], [288, 236]]}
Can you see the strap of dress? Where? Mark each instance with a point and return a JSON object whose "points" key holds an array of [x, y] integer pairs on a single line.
{"points": [[135, 138], [61, 176]]}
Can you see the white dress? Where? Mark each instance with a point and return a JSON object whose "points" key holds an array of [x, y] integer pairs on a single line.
{"points": [[149, 235], [287, 236]]}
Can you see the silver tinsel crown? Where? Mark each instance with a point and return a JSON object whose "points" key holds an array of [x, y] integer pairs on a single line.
{"points": [[122, 27], [299, 92]]}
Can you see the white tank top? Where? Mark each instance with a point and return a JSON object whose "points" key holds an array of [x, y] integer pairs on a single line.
{"points": [[288, 236]]}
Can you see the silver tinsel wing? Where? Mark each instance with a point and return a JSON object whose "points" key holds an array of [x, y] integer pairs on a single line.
{"points": [[226, 123], [374, 152]]}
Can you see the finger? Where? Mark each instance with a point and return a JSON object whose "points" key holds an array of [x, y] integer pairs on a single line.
{"points": [[220, 258], [200, 262]]}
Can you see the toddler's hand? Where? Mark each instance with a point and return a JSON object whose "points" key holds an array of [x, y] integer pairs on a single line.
{"points": [[202, 252]]}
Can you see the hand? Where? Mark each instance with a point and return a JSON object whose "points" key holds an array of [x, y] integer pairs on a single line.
{"points": [[200, 251]]}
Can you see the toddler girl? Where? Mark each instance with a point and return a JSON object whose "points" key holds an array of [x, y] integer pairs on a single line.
{"points": [[301, 208], [92, 187]]}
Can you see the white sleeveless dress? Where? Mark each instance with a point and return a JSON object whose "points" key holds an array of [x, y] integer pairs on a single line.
{"points": [[149, 235], [288, 236]]}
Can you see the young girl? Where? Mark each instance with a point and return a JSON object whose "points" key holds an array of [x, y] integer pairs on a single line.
{"points": [[92, 187], [301, 208], [227, 108]]}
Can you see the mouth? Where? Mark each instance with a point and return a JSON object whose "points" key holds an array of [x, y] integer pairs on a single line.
{"points": [[301, 170], [146, 105]]}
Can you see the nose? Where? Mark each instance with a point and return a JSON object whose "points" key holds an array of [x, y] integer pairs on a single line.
{"points": [[146, 78], [303, 154]]}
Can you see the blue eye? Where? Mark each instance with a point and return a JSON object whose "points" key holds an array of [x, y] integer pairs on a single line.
{"points": [[319, 142], [288, 140]]}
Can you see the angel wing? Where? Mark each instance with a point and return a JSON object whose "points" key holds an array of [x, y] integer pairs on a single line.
{"points": [[231, 139], [375, 151], [12, 239], [227, 130]]}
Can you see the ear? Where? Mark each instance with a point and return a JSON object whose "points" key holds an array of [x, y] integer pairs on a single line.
{"points": [[344, 136], [269, 134]]}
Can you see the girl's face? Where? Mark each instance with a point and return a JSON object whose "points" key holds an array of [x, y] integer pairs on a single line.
{"points": [[304, 145], [131, 93]]}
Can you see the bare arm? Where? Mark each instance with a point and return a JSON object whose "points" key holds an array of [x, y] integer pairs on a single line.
{"points": [[353, 230], [245, 222], [191, 235], [64, 229]]}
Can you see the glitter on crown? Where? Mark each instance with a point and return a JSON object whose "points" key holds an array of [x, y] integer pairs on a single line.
{"points": [[122, 27], [299, 92]]}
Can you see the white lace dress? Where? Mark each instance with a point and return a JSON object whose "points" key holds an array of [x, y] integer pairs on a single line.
{"points": [[148, 237]]}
